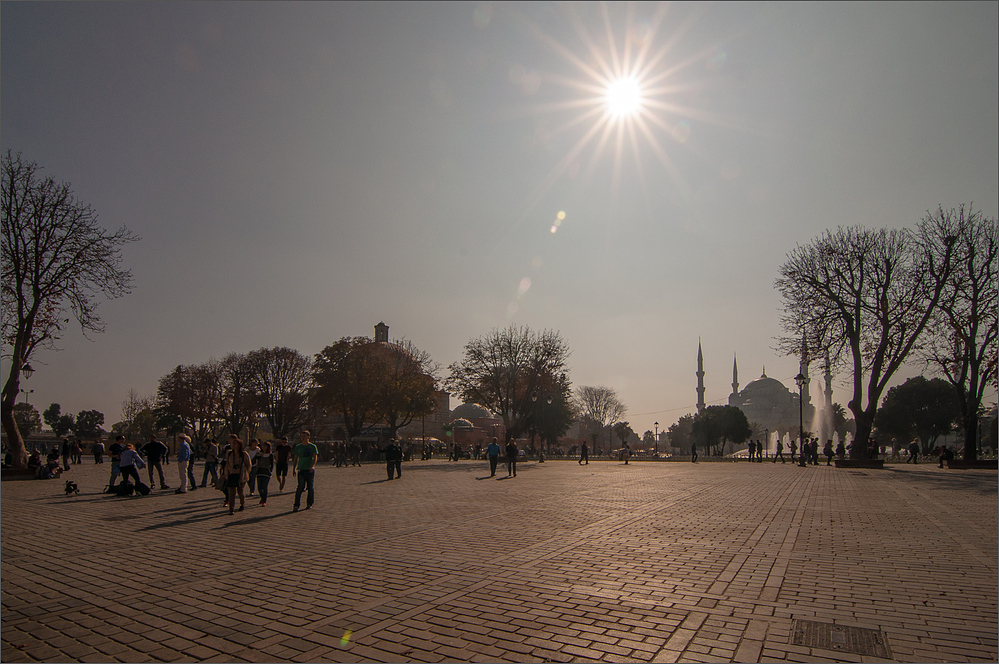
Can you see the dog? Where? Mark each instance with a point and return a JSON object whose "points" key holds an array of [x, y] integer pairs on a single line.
{"points": [[72, 488]]}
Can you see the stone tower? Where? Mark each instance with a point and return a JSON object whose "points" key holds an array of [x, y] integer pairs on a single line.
{"points": [[381, 332], [700, 378]]}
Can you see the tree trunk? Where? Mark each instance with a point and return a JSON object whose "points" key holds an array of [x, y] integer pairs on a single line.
{"points": [[15, 443], [970, 421], [865, 423]]}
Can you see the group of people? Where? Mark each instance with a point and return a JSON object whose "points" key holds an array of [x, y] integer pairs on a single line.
{"points": [[232, 467]]}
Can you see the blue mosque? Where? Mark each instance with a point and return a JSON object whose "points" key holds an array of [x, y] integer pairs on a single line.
{"points": [[767, 402]]}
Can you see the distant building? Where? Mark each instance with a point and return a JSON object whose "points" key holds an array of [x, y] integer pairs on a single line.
{"points": [[473, 424], [766, 401]]}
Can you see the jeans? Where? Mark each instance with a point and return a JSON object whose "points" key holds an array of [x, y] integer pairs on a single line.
{"points": [[155, 463], [394, 466], [210, 466], [511, 466], [493, 460], [130, 471], [115, 472], [262, 482], [306, 481]]}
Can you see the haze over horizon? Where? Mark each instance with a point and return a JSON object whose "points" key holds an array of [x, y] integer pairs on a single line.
{"points": [[299, 172]]}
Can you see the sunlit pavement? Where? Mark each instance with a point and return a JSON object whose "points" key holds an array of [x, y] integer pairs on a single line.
{"points": [[657, 562]]}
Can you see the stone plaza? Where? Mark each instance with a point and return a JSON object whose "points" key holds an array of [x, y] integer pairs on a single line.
{"points": [[650, 562]]}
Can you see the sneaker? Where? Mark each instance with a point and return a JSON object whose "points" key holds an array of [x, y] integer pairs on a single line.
{"points": [[163, 486], [263, 504], [308, 507], [180, 491], [295, 508]]}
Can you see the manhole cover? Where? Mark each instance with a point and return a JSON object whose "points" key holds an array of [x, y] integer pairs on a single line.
{"points": [[840, 638]]}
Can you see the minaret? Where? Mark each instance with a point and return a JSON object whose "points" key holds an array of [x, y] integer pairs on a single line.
{"points": [[700, 378], [735, 376]]}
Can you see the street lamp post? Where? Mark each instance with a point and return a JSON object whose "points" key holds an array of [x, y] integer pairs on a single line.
{"points": [[25, 393], [801, 380], [657, 440], [541, 449]]}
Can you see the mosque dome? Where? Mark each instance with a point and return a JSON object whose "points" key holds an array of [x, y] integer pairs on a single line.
{"points": [[473, 411], [764, 386]]}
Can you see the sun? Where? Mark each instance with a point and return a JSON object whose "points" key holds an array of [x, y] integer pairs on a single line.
{"points": [[624, 98]]}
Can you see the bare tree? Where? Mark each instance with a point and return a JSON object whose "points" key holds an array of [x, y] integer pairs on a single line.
{"points": [[505, 369], [132, 409], [281, 379], [599, 406], [237, 403], [961, 340], [865, 296], [56, 260]]}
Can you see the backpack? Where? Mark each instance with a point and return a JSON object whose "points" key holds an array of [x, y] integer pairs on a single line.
{"points": [[123, 489]]}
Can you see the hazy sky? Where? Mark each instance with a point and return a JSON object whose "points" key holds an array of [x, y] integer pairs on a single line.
{"points": [[300, 172]]}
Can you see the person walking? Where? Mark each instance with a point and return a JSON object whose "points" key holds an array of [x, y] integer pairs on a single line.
{"points": [[282, 453], [98, 449], [77, 452], [155, 451], [237, 468], [393, 459], [780, 451], [794, 449], [913, 453], [511, 458], [211, 462], [263, 464], [67, 452], [183, 461], [115, 450], [305, 456], [828, 451], [693, 452], [493, 451], [252, 450], [625, 452], [752, 451], [584, 455], [840, 451]]}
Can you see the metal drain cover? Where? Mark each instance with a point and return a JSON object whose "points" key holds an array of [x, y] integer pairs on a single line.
{"points": [[840, 638]]}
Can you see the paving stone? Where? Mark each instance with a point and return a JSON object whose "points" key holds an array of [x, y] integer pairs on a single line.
{"points": [[654, 562]]}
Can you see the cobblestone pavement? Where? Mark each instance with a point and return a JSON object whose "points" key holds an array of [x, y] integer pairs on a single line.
{"points": [[652, 562]]}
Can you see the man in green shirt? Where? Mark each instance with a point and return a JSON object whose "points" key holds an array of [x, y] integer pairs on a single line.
{"points": [[304, 456]]}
